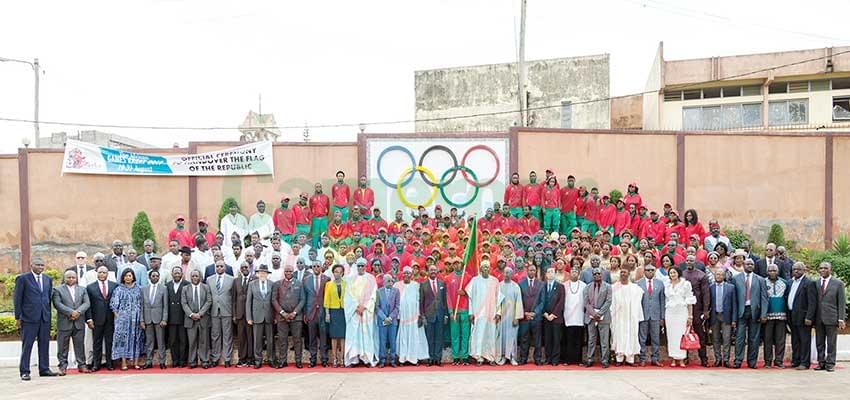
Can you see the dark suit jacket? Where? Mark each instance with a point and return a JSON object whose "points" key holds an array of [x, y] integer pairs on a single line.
{"points": [[784, 267], [74, 268], [32, 304], [288, 299], [553, 300], [112, 265], [729, 301], [100, 312], [532, 301], [758, 295], [240, 296], [176, 316], [314, 298], [831, 302], [210, 271], [805, 301], [432, 305]]}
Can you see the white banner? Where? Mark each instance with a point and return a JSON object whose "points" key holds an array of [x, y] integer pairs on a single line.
{"points": [[248, 159]]}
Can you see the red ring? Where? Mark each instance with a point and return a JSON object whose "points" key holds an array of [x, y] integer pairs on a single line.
{"points": [[495, 157]]}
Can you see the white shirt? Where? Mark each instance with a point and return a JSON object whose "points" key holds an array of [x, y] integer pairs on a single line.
{"points": [[152, 294], [73, 291], [574, 303], [275, 274], [795, 284]]}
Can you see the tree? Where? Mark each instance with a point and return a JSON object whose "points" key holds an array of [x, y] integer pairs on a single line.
{"points": [[776, 235], [615, 195], [142, 231], [225, 209]]}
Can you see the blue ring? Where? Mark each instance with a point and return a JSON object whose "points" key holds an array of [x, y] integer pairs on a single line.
{"points": [[412, 165]]}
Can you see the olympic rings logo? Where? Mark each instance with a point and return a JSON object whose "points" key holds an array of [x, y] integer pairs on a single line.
{"points": [[430, 179]]}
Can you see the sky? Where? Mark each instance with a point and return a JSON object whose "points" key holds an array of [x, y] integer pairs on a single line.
{"points": [[204, 63]]}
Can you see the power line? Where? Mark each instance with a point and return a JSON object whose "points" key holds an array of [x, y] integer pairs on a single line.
{"points": [[408, 121]]}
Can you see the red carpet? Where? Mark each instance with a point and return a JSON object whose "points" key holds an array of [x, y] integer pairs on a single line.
{"points": [[422, 368]]}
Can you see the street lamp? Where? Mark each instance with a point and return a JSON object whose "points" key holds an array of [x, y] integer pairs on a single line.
{"points": [[362, 127], [35, 68]]}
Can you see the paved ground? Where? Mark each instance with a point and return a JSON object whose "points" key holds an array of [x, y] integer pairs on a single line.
{"points": [[621, 384]]}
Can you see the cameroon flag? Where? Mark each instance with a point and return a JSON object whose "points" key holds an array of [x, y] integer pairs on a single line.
{"points": [[470, 254]]}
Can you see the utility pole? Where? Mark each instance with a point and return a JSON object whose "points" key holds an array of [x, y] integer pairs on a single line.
{"points": [[36, 69], [523, 100]]}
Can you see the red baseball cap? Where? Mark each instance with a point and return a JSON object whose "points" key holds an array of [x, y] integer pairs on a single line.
{"points": [[179, 217]]}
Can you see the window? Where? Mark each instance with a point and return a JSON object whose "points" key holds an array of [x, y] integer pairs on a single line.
{"points": [[710, 93], [726, 116], [781, 87], [818, 86], [754, 90], [791, 112], [673, 96], [841, 108], [843, 83], [566, 114], [734, 91]]}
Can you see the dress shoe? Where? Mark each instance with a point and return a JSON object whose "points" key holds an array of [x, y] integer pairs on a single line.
{"points": [[283, 364], [801, 368], [205, 366], [109, 367], [257, 365], [192, 365], [554, 364], [736, 366], [718, 363], [753, 366], [380, 365], [820, 368], [767, 366], [94, 369], [227, 364], [704, 363], [312, 364], [588, 364], [47, 373], [162, 365], [779, 366], [394, 364], [62, 371], [605, 365], [147, 365], [25, 377], [83, 370], [324, 364], [298, 365], [618, 363], [538, 363], [455, 362], [830, 369]]}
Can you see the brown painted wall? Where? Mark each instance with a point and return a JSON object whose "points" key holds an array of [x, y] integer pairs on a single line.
{"points": [[10, 221], [627, 112], [296, 169], [607, 161], [841, 186], [752, 182]]}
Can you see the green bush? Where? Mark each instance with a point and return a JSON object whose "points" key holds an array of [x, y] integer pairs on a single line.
{"points": [[838, 256], [615, 195], [776, 235], [142, 231], [8, 281], [7, 325], [56, 275], [225, 209], [736, 237]]}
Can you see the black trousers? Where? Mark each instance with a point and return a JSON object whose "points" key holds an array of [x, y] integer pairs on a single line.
{"points": [[699, 329], [530, 334], [178, 342], [574, 339], [552, 340], [801, 345], [245, 339], [826, 335], [102, 335], [317, 339], [434, 335], [774, 342]]}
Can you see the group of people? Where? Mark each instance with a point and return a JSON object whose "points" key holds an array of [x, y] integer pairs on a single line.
{"points": [[553, 275]]}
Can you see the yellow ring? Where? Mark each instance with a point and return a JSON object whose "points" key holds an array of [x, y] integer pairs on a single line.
{"points": [[409, 171]]}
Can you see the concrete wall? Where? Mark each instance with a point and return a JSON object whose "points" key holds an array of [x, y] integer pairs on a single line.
{"points": [[651, 99], [627, 112], [10, 221], [493, 88], [606, 161], [841, 186]]}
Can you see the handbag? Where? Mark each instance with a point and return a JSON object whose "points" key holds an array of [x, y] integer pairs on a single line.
{"points": [[690, 341]]}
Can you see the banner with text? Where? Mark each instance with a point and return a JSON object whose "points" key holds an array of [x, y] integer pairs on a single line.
{"points": [[248, 159]]}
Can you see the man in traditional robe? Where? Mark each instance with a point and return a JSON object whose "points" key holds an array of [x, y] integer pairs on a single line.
{"points": [[485, 313], [412, 342], [512, 312], [626, 314], [233, 222], [359, 305], [261, 223]]}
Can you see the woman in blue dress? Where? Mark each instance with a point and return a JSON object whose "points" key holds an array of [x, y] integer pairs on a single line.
{"points": [[126, 304]]}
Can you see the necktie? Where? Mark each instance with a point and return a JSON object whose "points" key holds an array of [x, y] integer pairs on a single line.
{"points": [[244, 281], [153, 291], [38, 280], [434, 287], [822, 287], [748, 288], [103, 289], [218, 283], [649, 289], [263, 288]]}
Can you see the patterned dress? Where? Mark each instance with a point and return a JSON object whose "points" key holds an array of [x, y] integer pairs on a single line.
{"points": [[128, 339]]}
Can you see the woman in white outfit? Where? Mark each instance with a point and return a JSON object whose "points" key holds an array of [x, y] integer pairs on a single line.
{"points": [[680, 302]]}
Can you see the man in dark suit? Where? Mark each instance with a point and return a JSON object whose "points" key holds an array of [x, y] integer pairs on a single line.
{"points": [[432, 306], [654, 307], [829, 317], [770, 257], [177, 336], [723, 316], [244, 333], [699, 285], [531, 326], [553, 317], [802, 295], [154, 317], [752, 312], [196, 301], [288, 302], [314, 314], [258, 312], [147, 253], [71, 303], [117, 259], [100, 318], [33, 291]]}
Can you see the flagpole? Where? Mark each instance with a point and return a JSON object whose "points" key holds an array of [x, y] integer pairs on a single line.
{"points": [[465, 264]]}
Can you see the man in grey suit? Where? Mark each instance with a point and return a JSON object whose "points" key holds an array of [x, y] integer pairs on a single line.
{"points": [[258, 312], [752, 312], [653, 303], [829, 317], [71, 302], [287, 302], [723, 316], [433, 308], [221, 313], [154, 317], [597, 317], [314, 314], [196, 301]]}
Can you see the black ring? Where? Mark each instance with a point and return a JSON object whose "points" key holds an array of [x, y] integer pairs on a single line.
{"points": [[454, 167]]}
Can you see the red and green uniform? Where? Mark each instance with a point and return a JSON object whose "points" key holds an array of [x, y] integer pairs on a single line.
{"points": [[319, 209], [551, 209], [569, 199], [513, 200], [341, 193]]}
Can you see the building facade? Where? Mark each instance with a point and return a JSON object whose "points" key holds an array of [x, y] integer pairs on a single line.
{"points": [[562, 93], [57, 140], [792, 90]]}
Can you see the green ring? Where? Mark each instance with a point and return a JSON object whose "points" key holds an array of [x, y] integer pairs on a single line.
{"points": [[443, 192]]}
